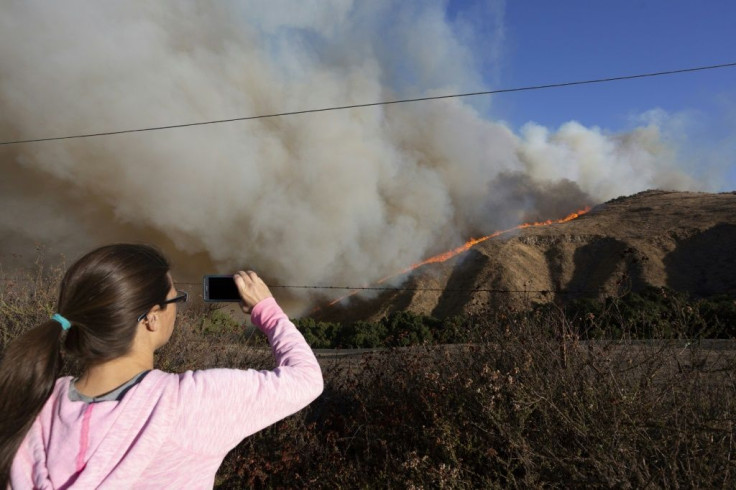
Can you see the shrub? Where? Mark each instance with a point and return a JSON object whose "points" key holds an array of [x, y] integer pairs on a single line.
{"points": [[406, 328], [320, 335], [218, 321], [653, 313], [527, 407]]}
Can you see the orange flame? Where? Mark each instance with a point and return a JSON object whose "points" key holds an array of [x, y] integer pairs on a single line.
{"points": [[465, 247], [475, 241]]}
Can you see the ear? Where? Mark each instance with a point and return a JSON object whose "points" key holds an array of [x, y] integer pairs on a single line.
{"points": [[152, 319]]}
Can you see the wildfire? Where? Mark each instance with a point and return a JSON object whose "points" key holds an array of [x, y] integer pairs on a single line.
{"points": [[467, 246]]}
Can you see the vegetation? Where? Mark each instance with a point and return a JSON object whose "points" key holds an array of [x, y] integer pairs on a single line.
{"points": [[626, 392], [654, 313], [399, 329]]}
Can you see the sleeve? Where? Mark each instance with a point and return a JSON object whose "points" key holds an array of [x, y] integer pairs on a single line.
{"points": [[221, 407]]}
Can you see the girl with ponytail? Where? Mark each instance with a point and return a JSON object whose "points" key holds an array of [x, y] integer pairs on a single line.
{"points": [[122, 423]]}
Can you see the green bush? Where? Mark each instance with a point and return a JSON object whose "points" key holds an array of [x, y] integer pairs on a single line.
{"points": [[320, 335], [218, 321], [406, 328], [654, 312], [362, 335]]}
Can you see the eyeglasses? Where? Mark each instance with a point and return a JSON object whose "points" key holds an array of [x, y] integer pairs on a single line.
{"points": [[181, 297]]}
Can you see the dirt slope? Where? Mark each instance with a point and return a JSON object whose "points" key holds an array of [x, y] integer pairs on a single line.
{"points": [[682, 240]]}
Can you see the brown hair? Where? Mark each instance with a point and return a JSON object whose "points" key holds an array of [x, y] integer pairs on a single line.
{"points": [[102, 295]]}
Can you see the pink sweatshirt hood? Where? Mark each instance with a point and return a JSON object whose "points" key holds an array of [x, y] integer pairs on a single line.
{"points": [[114, 451]]}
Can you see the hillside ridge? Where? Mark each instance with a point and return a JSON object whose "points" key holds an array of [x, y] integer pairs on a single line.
{"points": [[679, 240]]}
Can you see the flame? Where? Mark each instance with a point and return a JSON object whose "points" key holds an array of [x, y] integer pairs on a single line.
{"points": [[475, 241], [439, 258]]}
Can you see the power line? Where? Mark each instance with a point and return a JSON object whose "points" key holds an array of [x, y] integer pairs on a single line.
{"points": [[446, 290], [373, 104], [400, 289], [386, 288]]}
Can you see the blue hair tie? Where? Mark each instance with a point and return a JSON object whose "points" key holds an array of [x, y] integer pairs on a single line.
{"points": [[65, 324]]}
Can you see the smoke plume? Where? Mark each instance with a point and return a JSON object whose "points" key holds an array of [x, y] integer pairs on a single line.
{"points": [[331, 198]]}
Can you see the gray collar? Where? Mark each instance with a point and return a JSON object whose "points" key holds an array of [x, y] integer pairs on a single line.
{"points": [[114, 395]]}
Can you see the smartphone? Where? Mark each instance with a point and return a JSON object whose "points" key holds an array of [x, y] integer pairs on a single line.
{"points": [[220, 288]]}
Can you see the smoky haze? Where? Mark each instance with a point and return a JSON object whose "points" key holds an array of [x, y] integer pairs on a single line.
{"points": [[334, 198]]}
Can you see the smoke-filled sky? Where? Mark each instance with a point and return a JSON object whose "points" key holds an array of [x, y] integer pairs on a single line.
{"points": [[344, 197]]}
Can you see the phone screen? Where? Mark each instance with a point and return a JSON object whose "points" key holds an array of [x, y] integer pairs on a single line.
{"points": [[220, 288]]}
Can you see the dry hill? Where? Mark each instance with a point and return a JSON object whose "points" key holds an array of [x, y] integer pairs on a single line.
{"points": [[682, 240]]}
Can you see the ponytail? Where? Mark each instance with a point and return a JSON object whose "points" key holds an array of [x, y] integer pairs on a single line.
{"points": [[28, 372]]}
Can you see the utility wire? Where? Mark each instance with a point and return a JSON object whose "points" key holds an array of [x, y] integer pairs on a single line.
{"points": [[399, 289], [373, 104], [445, 290], [385, 288]]}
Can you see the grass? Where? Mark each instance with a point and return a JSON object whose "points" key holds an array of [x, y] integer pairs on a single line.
{"points": [[529, 402]]}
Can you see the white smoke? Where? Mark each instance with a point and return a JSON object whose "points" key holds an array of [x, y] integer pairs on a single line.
{"points": [[603, 165], [342, 197]]}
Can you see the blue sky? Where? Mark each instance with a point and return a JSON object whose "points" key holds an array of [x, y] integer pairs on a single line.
{"points": [[557, 41], [549, 42]]}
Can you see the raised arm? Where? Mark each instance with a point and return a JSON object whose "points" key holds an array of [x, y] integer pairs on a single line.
{"points": [[223, 406]]}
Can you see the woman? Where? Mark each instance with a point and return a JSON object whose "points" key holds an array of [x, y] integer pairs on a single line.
{"points": [[123, 424]]}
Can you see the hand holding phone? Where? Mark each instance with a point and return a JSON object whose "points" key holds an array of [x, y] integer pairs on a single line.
{"points": [[243, 287], [252, 289]]}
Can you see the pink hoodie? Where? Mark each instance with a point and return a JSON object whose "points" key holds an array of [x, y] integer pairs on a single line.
{"points": [[169, 430]]}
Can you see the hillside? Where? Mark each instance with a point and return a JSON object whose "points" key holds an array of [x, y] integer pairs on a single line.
{"points": [[681, 240]]}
